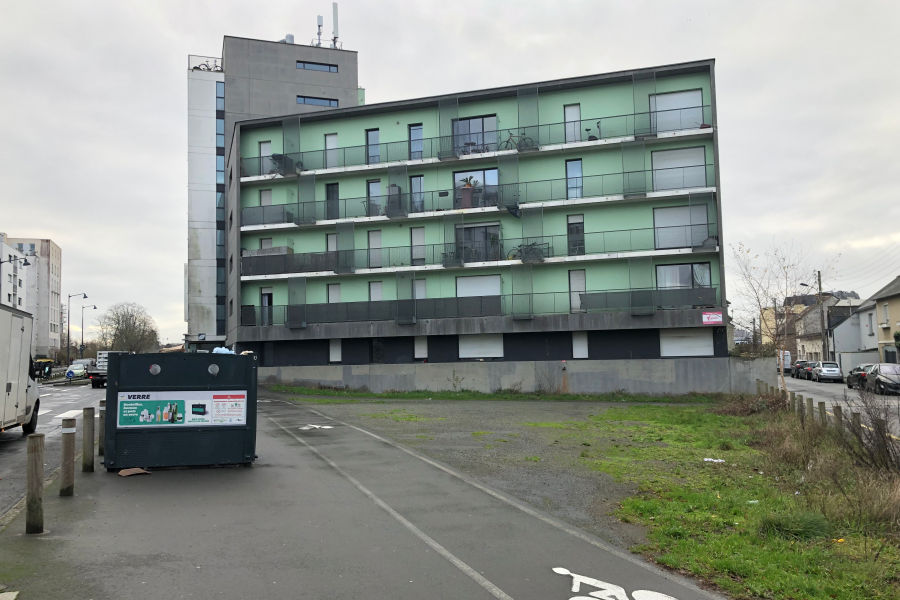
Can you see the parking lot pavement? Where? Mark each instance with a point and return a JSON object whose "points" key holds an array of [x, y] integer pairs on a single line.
{"points": [[56, 402], [328, 511]]}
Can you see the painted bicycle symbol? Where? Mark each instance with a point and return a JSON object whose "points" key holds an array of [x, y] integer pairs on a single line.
{"points": [[606, 591]]}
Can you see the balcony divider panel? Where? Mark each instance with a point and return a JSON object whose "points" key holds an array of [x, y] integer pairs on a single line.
{"points": [[406, 297], [635, 177], [306, 198], [522, 288], [641, 283], [398, 192], [448, 112], [643, 86], [529, 119]]}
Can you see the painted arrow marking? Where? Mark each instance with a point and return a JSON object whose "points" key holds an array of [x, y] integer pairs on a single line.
{"points": [[308, 427], [606, 591]]}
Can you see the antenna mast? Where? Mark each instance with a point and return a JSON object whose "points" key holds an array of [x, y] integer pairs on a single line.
{"points": [[334, 40]]}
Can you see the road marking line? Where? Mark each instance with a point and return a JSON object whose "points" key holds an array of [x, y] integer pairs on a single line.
{"points": [[530, 511], [477, 577], [70, 414]]}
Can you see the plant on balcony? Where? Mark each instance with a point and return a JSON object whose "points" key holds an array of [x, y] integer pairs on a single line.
{"points": [[897, 338], [467, 192]]}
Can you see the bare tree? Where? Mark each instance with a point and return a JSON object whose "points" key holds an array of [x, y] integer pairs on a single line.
{"points": [[127, 326], [766, 280]]}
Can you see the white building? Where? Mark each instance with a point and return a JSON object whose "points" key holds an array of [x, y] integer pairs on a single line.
{"points": [[855, 339], [13, 276], [43, 287]]}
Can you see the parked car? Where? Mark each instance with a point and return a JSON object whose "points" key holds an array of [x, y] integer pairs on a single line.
{"points": [[827, 371], [857, 376], [884, 378], [76, 371], [806, 370], [797, 368]]}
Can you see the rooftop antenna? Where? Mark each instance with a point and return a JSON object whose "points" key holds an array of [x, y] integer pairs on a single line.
{"points": [[334, 40], [319, 21]]}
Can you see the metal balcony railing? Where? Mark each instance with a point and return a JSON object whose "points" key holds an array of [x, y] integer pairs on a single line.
{"points": [[542, 303], [399, 204], [515, 138], [458, 254]]}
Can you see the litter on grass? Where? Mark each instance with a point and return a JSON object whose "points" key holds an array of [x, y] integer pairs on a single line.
{"points": [[715, 460]]}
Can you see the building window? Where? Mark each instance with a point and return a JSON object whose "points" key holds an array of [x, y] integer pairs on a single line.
{"points": [[575, 234], [265, 243], [331, 150], [679, 169], [317, 101], [332, 201], [475, 135], [375, 253], [415, 142], [417, 193], [20, 285], [220, 206], [884, 309], [311, 66], [373, 197], [376, 291], [220, 245], [373, 149], [220, 95], [572, 116], [871, 328], [478, 243], [334, 293], [220, 169], [683, 276], [220, 133], [574, 179], [577, 287], [483, 192], [680, 226]]}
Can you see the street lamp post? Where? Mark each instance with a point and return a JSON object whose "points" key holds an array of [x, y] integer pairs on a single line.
{"points": [[82, 325], [821, 316], [69, 323], [25, 263]]}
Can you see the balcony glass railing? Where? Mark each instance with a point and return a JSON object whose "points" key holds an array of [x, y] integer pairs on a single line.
{"points": [[455, 146], [510, 194], [532, 249], [543, 303]]}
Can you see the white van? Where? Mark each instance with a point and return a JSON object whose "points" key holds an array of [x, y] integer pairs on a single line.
{"points": [[20, 401], [785, 366]]}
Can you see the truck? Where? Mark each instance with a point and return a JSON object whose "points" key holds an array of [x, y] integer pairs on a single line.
{"points": [[97, 374], [20, 403]]}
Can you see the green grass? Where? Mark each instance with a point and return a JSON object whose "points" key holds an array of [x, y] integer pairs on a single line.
{"points": [[700, 515], [507, 395], [481, 433], [401, 414]]}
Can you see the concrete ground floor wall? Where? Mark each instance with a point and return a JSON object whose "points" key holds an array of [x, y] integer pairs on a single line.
{"points": [[665, 376]]}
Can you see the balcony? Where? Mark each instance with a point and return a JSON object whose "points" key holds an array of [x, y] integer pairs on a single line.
{"points": [[520, 139], [460, 253], [638, 301], [401, 204]]}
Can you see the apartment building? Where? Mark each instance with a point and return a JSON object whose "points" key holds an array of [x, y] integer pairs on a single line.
{"points": [[251, 79], [14, 271], [562, 220], [43, 285], [887, 311]]}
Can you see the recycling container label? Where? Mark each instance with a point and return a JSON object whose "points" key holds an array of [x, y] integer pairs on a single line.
{"points": [[179, 409]]}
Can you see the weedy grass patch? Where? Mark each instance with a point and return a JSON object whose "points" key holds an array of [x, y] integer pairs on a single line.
{"points": [[761, 524], [401, 414]]}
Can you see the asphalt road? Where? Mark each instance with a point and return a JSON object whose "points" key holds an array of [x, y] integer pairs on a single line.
{"points": [[56, 401], [328, 511], [837, 393]]}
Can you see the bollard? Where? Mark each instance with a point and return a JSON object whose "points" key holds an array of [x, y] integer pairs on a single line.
{"points": [[856, 423], [67, 470], [101, 435], [87, 440], [759, 387], [793, 402], [809, 409], [34, 503], [823, 414], [838, 419]]}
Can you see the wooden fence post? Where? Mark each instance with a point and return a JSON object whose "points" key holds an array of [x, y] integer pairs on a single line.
{"points": [[809, 409], [793, 402], [838, 419], [856, 423], [34, 502], [823, 414]]}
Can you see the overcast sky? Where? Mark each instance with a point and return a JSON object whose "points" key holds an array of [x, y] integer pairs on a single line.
{"points": [[94, 129]]}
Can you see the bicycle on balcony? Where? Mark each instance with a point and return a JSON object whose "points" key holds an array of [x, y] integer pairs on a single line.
{"points": [[530, 252], [516, 142]]}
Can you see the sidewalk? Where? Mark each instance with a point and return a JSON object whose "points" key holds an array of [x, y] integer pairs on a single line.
{"points": [[325, 513]]}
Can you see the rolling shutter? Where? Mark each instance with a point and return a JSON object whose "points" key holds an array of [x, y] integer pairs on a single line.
{"points": [[579, 344], [478, 285], [420, 346], [677, 110], [481, 345], [692, 341], [679, 169], [334, 350]]}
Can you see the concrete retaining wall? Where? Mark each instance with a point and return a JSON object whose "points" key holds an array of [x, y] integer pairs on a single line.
{"points": [[656, 376]]}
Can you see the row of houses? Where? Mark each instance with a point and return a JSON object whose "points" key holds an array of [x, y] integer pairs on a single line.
{"points": [[870, 332], [856, 330]]}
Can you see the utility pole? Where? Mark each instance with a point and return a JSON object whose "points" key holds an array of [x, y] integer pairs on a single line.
{"points": [[822, 319]]}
